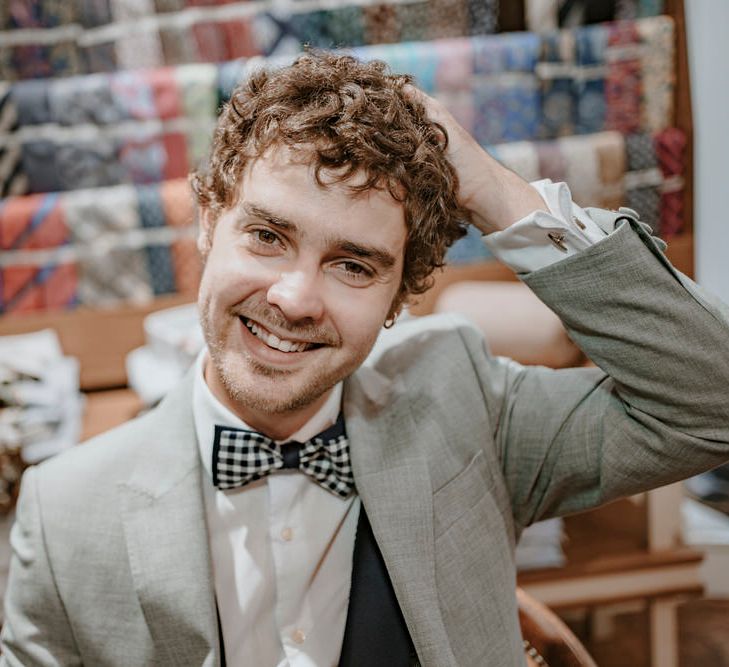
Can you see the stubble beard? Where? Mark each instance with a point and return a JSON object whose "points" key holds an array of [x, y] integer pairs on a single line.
{"points": [[237, 370]]}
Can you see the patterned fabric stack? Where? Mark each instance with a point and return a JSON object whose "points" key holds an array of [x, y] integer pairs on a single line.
{"points": [[46, 38], [616, 76], [97, 247], [40, 405], [138, 126], [606, 169], [103, 156], [546, 15], [32, 226], [145, 126], [488, 82]]}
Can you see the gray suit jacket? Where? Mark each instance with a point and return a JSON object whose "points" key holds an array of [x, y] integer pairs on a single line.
{"points": [[454, 452]]}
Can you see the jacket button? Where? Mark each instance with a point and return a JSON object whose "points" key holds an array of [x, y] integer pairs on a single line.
{"points": [[629, 211]]}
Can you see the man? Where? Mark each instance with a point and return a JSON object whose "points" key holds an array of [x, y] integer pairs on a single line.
{"points": [[332, 193]]}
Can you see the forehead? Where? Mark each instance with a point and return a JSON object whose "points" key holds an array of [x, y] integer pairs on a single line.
{"points": [[283, 181], [298, 165]]}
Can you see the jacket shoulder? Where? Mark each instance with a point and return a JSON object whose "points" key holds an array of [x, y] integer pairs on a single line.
{"points": [[422, 332], [93, 466], [96, 462], [435, 343]]}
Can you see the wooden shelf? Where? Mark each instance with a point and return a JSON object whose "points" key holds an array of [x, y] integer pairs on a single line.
{"points": [[101, 338], [609, 561], [106, 409]]}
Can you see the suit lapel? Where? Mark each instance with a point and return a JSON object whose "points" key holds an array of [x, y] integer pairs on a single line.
{"points": [[393, 480], [164, 524]]}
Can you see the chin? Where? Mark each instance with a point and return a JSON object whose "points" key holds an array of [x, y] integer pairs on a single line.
{"points": [[271, 390]]}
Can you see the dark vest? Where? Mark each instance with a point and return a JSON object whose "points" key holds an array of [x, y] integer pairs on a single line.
{"points": [[375, 633]]}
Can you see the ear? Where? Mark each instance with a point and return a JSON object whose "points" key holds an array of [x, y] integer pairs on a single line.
{"points": [[396, 308], [205, 233]]}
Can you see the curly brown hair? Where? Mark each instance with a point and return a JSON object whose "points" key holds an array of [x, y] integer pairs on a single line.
{"points": [[358, 118]]}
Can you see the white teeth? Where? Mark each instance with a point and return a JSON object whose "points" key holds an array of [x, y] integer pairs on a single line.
{"points": [[274, 341]]}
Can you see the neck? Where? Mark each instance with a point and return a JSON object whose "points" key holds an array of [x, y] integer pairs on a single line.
{"points": [[281, 426]]}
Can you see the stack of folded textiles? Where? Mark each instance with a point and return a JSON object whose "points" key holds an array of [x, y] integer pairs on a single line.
{"points": [[607, 169], [139, 126], [40, 405], [44, 38], [97, 212], [97, 247], [144, 126]]}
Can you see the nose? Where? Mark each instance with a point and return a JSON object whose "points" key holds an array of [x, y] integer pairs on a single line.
{"points": [[298, 295]]}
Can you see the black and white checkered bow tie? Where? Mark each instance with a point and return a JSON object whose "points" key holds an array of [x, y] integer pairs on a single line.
{"points": [[241, 456]]}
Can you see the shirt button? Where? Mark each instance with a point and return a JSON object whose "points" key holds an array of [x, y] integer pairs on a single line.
{"points": [[299, 636], [287, 534]]}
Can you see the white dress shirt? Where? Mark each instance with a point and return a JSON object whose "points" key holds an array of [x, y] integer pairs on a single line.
{"points": [[542, 238], [282, 546], [281, 551]]}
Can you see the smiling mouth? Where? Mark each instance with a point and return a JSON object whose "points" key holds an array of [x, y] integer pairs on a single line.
{"points": [[273, 341]]}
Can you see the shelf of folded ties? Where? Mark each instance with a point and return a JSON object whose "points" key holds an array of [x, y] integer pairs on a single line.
{"points": [[607, 169], [92, 167], [131, 243], [148, 125], [98, 247], [40, 38]]}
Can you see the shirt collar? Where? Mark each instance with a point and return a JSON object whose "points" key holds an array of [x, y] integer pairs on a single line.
{"points": [[207, 411]]}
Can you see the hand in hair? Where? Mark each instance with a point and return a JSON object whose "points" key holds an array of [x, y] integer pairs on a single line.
{"points": [[495, 195]]}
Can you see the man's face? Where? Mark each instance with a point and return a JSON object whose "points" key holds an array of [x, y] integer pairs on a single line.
{"points": [[298, 281]]}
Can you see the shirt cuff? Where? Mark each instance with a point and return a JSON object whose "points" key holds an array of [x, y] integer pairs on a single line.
{"points": [[540, 238]]}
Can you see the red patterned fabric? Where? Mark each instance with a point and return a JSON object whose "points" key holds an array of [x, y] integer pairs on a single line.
{"points": [[29, 289], [35, 223], [179, 212], [670, 145], [239, 39], [166, 92], [623, 87], [210, 39]]}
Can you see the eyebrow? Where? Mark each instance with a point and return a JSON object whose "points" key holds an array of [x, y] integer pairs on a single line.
{"points": [[379, 255], [385, 259], [268, 216]]}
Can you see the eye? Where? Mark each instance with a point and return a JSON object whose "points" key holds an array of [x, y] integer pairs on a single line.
{"points": [[264, 241], [355, 272], [265, 236]]}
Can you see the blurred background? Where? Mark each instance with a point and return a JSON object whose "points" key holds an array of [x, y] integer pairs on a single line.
{"points": [[107, 105]]}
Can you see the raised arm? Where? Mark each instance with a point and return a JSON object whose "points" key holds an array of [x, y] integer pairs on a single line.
{"points": [[657, 411]]}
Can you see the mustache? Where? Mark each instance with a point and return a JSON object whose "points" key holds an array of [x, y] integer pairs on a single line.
{"points": [[274, 320]]}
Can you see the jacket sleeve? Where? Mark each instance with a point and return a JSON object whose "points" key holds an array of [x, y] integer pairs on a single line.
{"points": [[36, 630], [656, 409]]}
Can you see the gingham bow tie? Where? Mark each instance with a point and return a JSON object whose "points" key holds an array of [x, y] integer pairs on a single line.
{"points": [[241, 456]]}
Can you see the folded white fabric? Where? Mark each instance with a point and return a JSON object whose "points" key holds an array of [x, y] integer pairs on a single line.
{"points": [[174, 338], [40, 403]]}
